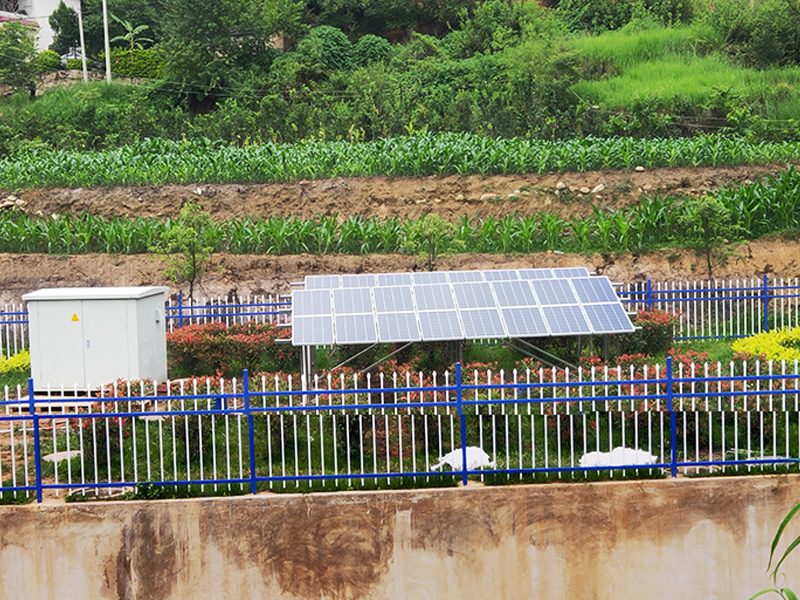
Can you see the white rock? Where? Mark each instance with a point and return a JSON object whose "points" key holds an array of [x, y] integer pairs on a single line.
{"points": [[638, 168], [561, 185], [59, 456], [585, 190], [476, 459], [598, 188], [488, 197], [617, 457]]}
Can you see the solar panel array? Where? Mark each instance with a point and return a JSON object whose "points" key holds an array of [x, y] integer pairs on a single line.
{"points": [[454, 305]]}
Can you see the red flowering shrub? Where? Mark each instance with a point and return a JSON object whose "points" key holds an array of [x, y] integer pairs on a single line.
{"points": [[213, 348], [655, 333]]}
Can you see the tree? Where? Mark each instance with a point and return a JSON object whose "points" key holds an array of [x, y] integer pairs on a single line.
{"points": [[211, 52], [709, 222], [131, 36], [17, 53], [64, 23], [185, 248], [431, 236]]}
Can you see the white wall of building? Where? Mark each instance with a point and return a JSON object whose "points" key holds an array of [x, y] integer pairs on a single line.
{"points": [[40, 11]]}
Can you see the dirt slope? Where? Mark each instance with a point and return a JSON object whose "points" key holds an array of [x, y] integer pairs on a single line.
{"points": [[568, 194]]}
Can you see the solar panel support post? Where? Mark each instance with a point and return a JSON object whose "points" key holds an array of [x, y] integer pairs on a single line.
{"points": [[606, 347], [308, 358]]}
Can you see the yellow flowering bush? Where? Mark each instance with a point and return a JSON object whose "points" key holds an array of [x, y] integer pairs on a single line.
{"points": [[781, 344], [21, 361]]}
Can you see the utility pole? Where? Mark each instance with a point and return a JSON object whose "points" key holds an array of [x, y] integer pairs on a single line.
{"points": [[108, 47], [83, 43]]}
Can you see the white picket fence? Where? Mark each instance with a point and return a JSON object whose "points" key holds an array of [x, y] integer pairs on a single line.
{"points": [[351, 430]]}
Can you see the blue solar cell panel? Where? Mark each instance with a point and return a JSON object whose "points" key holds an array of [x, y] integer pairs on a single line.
{"points": [[311, 302], [474, 295], [571, 272], [483, 323], [525, 321], [393, 299], [553, 291], [398, 327], [566, 320], [458, 276], [594, 289], [355, 329], [390, 279], [608, 318], [514, 293], [434, 297], [360, 280], [440, 325], [323, 282], [351, 301], [536, 273], [501, 275], [312, 331], [428, 277]]}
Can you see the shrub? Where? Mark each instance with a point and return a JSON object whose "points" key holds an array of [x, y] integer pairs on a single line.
{"points": [[47, 61], [145, 63], [213, 348], [370, 49], [781, 344], [655, 333], [74, 63], [21, 361]]}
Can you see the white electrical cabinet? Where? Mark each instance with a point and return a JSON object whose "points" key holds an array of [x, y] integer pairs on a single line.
{"points": [[81, 337]]}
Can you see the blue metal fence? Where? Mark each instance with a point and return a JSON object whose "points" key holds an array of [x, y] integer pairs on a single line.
{"points": [[250, 436]]}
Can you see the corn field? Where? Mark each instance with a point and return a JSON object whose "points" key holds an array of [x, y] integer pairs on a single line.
{"points": [[158, 161], [758, 209]]}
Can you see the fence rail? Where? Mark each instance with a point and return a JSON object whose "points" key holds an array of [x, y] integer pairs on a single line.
{"points": [[705, 309], [286, 433]]}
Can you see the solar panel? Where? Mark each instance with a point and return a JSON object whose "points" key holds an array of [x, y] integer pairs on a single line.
{"points": [[571, 272], [514, 293], [536, 273], [454, 305], [501, 275], [322, 282], [553, 291], [440, 325], [474, 295], [312, 331], [525, 321], [608, 318], [355, 329], [458, 276], [427, 277], [389, 279], [352, 301], [566, 320], [360, 280], [483, 323], [393, 299], [311, 302], [398, 327], [434, 297], [594, 289]]}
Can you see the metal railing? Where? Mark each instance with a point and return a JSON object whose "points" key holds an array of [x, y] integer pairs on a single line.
{"points": [[289, 433]]}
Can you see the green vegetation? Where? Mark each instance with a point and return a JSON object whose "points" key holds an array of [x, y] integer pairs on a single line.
{"points": [[15, 370], [202, 161], [775, 574], [751, 211]]}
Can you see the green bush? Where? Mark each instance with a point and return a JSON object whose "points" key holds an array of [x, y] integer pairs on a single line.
{"points": [[47, 61], [606, 15], [371, 49], [144, 63], [213, 349], [74, 63], [654, 335]]}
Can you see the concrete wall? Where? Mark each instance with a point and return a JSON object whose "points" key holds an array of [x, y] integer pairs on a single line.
{"points": [[668, 539]]}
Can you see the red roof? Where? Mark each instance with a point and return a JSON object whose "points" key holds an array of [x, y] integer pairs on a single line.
{"points": [[6, 18]]}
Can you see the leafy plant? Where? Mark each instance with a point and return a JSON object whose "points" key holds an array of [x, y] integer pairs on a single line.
{"points": [[430, 236], [775, 573], [185, 247]]}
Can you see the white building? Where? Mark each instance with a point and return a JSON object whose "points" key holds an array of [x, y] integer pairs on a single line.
{"points": [[40, 11]]}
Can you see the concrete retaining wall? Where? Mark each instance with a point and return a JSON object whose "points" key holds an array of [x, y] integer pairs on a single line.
{"points": [[667, 539]]}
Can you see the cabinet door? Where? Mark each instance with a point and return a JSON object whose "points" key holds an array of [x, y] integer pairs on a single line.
{"points": [[106, 338], [57, 357]]}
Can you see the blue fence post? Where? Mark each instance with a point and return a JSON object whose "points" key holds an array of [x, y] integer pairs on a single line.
{"points": [[766, 304], [37, 449], [673, 425], [180, 309], [251, 430], [463, 419], [649, 295]]}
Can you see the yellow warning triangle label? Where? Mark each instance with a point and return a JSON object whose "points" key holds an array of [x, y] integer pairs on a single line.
{"points": [[74, 317]]}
